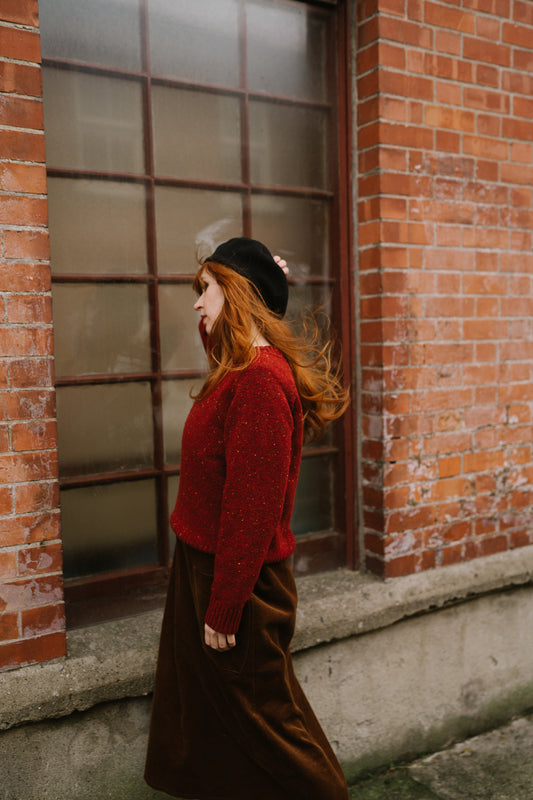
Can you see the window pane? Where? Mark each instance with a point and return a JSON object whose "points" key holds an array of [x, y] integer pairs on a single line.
{"points": [[104, 428], [196, 135], [307, 298], [172, 493], [98, 32], [108, 527], [181, 346], [298, 230], [195, 41], [286, 50], [287, 145], [92, 122], [191, 223], [313, 505], [177, 403], [101, 328], [97, 226]]}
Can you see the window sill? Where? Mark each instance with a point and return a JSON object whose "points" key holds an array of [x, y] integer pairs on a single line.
{"points": [[113, 660]]}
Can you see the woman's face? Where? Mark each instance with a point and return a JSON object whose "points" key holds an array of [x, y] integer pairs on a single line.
{"points": [[211, 301]]}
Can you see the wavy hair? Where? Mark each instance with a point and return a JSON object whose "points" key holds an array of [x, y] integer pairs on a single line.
{"points": [[318, 379]]}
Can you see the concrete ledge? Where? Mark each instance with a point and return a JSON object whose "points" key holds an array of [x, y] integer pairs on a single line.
{"points": [[115, 660]]}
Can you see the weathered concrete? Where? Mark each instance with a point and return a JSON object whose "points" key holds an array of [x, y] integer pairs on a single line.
{"points": [[415, 686], [116, 659], [435, 663], [495, 766]]}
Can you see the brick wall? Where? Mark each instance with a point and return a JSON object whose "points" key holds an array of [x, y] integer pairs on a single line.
{"points": [[445, 137], [31, 607], [444, 140]]}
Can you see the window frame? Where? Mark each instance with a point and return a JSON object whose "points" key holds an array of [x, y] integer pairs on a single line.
{"points": [[88, 596]]}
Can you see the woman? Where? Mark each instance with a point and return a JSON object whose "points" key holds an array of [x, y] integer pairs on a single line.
{"points": [[229, 719]]}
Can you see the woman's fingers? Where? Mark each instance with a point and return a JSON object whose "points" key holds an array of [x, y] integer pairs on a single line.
{"points": [[282, 263], [219, 641]]}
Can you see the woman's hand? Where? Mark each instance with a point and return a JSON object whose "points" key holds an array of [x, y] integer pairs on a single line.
{"points": [[219, 641], [282, 263]]}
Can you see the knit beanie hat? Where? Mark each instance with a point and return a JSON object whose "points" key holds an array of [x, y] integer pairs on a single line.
{"points": [[254, 261]]}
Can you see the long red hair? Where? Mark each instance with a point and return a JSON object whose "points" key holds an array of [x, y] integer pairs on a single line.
{"points": [[318, 380]]}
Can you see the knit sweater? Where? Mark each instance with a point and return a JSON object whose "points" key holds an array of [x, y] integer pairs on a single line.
{"points": [[240, 459]]}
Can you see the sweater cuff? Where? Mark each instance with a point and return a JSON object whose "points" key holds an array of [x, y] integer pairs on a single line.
{"points": [[223, 619]]}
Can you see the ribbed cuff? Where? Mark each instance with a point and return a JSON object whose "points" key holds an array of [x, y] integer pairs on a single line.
{"points": [[223, 619]]}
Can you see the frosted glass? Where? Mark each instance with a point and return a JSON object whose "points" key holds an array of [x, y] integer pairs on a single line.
{"points": [[304, 299], [104, 428], [108, 527], [313, 504], [295, 228], [191, 223], [92, 122], [97, 226], [101, 328], [286, 50], [288, 145], [196, 135], [181, 346], [96, 31], [172, 493], [195, 41], [176, 406]]}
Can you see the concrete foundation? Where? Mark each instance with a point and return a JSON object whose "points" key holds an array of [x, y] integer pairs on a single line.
{"points": [[419, 677]]}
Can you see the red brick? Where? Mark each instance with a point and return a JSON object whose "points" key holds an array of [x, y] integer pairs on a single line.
{"points": [[36, 497], [18, 277], [29, 592], [38, 621], [30, 372], [523, 60], [25, 308], [22, 145], [26, 210], [34, 560], [453, 118], [451, 555], [448, 42], [6, 501], [396, 567], [406, 32], [443, 16], [29, 178], [24, 12], [479, 50], [34, 436], [24, 467], [483, 460], [390, 55], [518, 35], [20, 79], [30, 528], [21, 112], [9, 628], [397, 83], [21, 44], [25, 341], [8, 564], [31, 651], [523, 12], [495, 544]]}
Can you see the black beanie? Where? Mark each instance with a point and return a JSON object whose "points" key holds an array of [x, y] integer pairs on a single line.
{"points": [[254, 261]]}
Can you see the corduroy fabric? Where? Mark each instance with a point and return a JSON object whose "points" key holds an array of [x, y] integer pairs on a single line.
{"points": [[234, 725]]}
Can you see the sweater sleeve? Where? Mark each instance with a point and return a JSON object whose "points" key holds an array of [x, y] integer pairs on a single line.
{"points": [[258, 436]]}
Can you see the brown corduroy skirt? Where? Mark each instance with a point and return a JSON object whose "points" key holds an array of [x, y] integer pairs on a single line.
{"points": [[234, 725]]}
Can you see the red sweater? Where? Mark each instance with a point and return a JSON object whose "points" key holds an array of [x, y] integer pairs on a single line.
{"points": [[240, 459]]}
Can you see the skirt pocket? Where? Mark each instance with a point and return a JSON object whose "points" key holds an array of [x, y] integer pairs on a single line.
{"points": [[230, 661]]}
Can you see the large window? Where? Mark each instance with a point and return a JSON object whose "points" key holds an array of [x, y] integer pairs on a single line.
{"points": [[170, 126]]}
